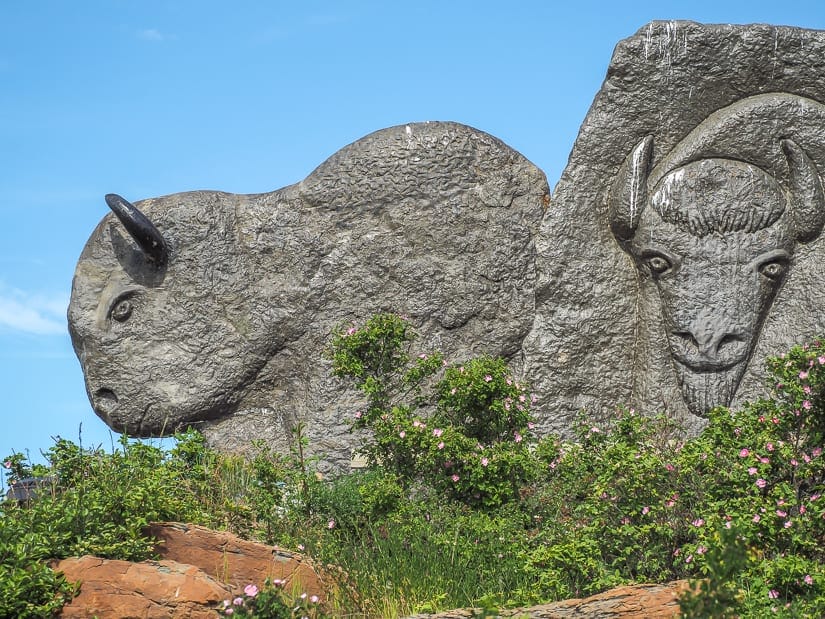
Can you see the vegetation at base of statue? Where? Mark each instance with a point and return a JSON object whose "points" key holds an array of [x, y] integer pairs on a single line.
{"points": [[462, 505]]}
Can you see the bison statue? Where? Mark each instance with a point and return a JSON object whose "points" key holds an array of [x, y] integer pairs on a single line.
{"points": [[212, 310]]}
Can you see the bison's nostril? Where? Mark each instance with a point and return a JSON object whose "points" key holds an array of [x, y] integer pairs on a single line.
{"points": [[727, 340], [105, 399], [688, 339]]}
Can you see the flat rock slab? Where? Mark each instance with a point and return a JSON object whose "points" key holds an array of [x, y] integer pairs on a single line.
{"points": [[146, 590], [236, 562], [630, 602]]}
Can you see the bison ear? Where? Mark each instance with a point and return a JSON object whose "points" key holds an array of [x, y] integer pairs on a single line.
{"points": [[629, 191], [807, 201], [146, 235]]}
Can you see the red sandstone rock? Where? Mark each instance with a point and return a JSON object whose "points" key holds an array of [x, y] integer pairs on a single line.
{"points": [[229, 559], [146, 590], [628, 602]]}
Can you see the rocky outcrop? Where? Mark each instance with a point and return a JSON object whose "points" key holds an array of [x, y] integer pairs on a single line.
{"points": [[146, 590], [199, 569], [629, 602], [237, 562]]}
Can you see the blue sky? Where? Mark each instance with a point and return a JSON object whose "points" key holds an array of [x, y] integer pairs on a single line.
{"points": [[146, 98]]}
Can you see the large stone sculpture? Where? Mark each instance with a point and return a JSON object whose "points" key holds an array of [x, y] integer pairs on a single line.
{"points": [[692, 203], [212, 309], [681, 247]]}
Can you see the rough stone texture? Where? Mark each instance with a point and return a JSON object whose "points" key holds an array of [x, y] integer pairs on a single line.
{"points": [[609, 329], [629, 602], [435, 221], [147, 590], [237, 562], [681, 248]]}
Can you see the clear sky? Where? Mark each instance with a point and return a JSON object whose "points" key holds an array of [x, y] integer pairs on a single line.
{"points": [[146, 98]]}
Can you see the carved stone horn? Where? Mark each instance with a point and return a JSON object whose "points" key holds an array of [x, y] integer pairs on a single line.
{"points": [[629, 191], [807, 201], [144, 232]]}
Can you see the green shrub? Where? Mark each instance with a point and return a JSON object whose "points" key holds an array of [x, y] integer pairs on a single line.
{"points": [[467, 434]]}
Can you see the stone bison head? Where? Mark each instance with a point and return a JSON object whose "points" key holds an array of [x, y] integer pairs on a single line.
{"points": [[160, 316], [717, 236]]}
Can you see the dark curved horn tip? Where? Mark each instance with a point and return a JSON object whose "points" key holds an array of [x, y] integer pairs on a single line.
{"points": [[142, 230]]}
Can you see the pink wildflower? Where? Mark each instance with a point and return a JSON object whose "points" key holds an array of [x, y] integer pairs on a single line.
{"points": [[645, 510], [701, 550], [757, 517], [787, 524], [314, 599], [752, 470], [402, 434], [438, 432], [331, 524], [817, 452], [761, 483], [803, 374], [698, 522], [781, 513], [769, 447], [350, 331], [455, 477], [773, 594], [452, 391], [238, 601], [517, 437], [807, 389], [808, 580], [484, 462], [422, 356], [251, 590], [744, 453], [806, 404], [488, 378], [441, 445], [821, 360]]}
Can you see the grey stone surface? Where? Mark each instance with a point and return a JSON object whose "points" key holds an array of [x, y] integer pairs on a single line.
{"points": [[435, 221], [681, 247], [682, 243]]}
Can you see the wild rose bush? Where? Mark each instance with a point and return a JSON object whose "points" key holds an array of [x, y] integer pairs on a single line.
{"points": [[272, 601], [464, 429]]}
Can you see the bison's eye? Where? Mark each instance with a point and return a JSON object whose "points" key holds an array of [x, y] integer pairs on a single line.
{"points": [[657, 263], [773, 270], [122, 310], [122, 307]]}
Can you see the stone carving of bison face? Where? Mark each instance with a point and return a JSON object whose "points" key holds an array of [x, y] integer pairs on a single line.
{"points": [[717, 238], [165, 336]]}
